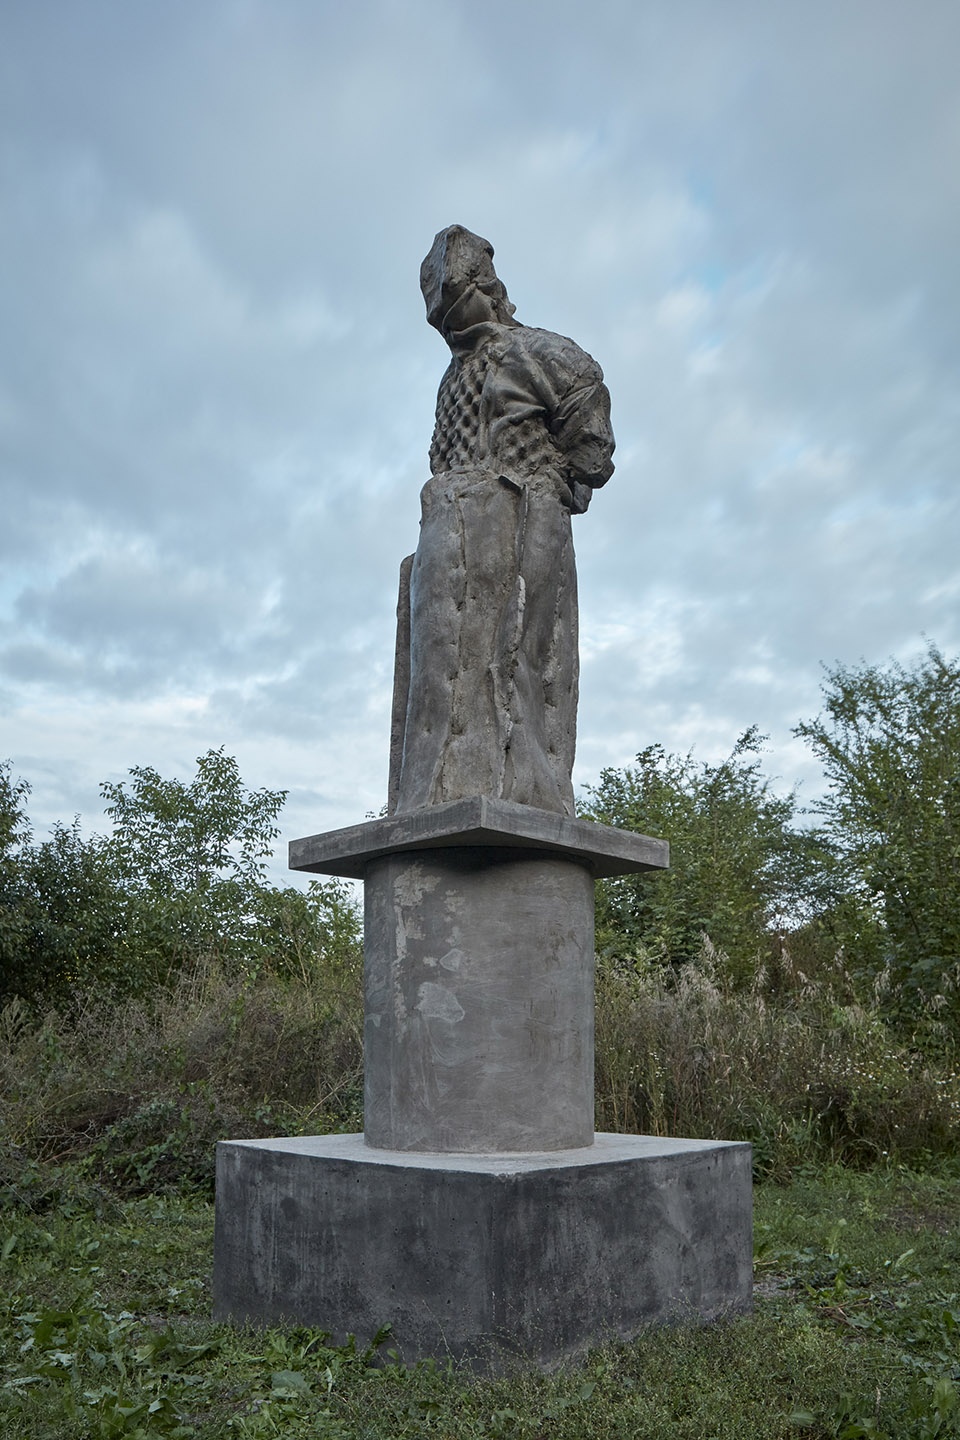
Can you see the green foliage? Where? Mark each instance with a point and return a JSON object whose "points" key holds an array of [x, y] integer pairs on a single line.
{"points": [[315, 934], [14, 825], [62, 908], [192, 859], [804, 1073], [140, 1090], [179, 881], [739, 869], [172, 838], [77, 920], [14, 835], [889, 742]]}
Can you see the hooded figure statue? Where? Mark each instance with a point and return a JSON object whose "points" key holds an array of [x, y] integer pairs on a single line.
{"points": [[485, 690]]}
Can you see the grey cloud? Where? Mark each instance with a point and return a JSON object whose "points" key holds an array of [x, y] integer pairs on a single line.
{"points": [[216, 385]]}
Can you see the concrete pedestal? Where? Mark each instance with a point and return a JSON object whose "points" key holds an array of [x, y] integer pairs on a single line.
{"points": [[478, 964], [478, 1030], [480, 1216], [482, 1256]]}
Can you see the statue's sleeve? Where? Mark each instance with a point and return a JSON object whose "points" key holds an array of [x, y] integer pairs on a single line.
{"points": [[581, 430], [576, 405]]}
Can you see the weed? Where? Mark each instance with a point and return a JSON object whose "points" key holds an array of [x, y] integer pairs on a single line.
{"points": [[801, 1076]]}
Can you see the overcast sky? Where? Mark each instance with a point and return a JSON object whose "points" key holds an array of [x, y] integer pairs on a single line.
{"points": [[217, 383]]}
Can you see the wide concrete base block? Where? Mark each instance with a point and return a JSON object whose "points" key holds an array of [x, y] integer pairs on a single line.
{"points": [[480, 1257]]}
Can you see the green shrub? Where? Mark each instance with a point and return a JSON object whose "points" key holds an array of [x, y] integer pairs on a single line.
{"points": [[889, 743], [803, 1074], [740, 870], [180, 881], [144, 1088]]}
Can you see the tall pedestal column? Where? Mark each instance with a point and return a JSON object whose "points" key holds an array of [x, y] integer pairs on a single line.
{"points": [[478, 1028]]}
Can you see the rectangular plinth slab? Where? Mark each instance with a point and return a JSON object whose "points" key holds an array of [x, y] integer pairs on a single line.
{"points": [[482, 1256], [479, 820]]}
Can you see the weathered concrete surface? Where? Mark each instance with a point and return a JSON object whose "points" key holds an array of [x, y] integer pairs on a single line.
{"points": [[482, 1256], [493, 659], [479, 1001], [479, 820]]}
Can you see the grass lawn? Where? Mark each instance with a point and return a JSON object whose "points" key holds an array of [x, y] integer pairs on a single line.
{"points": [[856, 1333]]}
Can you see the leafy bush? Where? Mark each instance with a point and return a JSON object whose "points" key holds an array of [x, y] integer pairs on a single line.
{"points": [[740, 870], [143, 1089], [179, 881], [889, 742], [803, 1075]]}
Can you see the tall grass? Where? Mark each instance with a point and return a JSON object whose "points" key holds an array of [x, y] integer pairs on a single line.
{"points": [[796, 1066], [143, 1089], [140, 1091]]}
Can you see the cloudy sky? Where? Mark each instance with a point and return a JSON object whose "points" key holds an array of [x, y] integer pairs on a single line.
{"points": [[217, 385]]}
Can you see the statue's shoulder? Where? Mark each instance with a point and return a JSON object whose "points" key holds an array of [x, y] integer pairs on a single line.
{"points": [[566, 362]]}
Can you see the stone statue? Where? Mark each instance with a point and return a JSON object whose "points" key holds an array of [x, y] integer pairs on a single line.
{"points": [[478, 1213], [485, 693]]}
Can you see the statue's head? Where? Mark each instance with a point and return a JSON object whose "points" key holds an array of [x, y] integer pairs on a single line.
{"points": [[459, 283]]}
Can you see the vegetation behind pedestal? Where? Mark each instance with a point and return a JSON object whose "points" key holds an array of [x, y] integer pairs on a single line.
{"points": [[788, 984]]}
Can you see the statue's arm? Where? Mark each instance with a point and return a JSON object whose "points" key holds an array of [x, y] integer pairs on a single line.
{"points": [[581, 429], [576, 406]]}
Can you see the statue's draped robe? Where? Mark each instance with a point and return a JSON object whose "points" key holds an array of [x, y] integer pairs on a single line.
{"points": [[487, 664]]}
